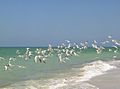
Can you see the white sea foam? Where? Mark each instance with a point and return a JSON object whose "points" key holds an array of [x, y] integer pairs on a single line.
{"points": [[94, 69], [88, 71], [76, 81]]}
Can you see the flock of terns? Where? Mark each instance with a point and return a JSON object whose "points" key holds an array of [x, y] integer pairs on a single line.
{"points": [[63, 51]]}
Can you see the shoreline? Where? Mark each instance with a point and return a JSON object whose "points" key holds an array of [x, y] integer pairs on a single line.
{"points": [[110, 80]]}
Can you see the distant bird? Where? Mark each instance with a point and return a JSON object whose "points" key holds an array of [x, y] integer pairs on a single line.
{"points": [[98, 50], [6, 67], [60, 58], [9, 65], [110, 50], [63, 52], [49, 48], [27, 54], [84, 45], [19, 66], [36, 58], [116, 49], [109, 37], [67, 41]]}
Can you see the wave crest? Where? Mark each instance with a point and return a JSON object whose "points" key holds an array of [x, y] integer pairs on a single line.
{"points": [[77, 81]]}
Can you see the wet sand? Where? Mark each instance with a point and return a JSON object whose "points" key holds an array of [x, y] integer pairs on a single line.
{"points": [[111, 80]]}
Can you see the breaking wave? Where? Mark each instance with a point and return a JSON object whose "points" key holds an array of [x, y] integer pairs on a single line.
{"points": [[76, 81]]}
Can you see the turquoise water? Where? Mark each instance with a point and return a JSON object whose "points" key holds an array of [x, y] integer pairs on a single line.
{"points": [[49, 70]]}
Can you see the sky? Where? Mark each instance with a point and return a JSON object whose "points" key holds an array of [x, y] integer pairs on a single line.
{"points": [[40, 22]]}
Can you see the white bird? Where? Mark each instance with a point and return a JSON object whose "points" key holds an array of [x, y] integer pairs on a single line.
{"points": [[21, 66], [75, 53], [12, 59], [6, 67], [115, 46], [107, 41], [114, 41], [115, 51], [67, 41], [98, 51], [44, 60], [69, 45], [84, 45], [67, 53], [109, 37], [36, 58], [27, 54], [110, 50], [40, 58], [94, 41], [49, 48], [9, 62], [60, 58], [117, 43], [94, 46]]}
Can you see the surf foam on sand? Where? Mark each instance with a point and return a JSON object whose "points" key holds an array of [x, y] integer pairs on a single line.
{"points": [[77, 81], [111, 80]]}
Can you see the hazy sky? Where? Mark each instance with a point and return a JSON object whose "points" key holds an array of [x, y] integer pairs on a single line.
{"points": [[40, 22]]}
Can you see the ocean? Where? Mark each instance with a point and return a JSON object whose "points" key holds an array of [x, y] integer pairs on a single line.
{"points": [[55, 70]]}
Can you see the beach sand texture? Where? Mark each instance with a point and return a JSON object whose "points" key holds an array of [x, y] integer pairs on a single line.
{"points": [[110, 80]]}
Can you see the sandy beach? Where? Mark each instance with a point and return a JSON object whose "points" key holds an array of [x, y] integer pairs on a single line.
{"points": [[111, 80]]}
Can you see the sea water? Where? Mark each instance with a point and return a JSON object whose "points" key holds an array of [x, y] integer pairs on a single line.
{"points": [[73, 74]]}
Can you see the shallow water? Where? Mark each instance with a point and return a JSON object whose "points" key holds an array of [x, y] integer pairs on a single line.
{"points": [[53, 74]]}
